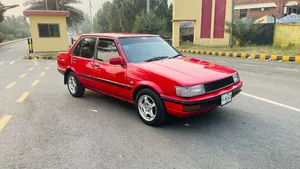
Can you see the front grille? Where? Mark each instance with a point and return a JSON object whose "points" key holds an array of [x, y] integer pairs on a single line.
{"points": [[218, 85]]}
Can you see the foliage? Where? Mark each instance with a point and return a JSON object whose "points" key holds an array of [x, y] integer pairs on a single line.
{"points": [[76, 15], [149, 23], [120, 15], [2, 37], [14, 27], [4, 9], [242, 31], [84, 27]]}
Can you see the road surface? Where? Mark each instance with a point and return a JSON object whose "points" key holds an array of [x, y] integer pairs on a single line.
{"points": [[42, 126]]}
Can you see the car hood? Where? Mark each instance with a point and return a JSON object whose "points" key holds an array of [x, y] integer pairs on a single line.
{"points": [[187, 71]]}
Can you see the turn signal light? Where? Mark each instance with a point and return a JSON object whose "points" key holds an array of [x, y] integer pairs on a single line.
{"points": [[191, 108]]}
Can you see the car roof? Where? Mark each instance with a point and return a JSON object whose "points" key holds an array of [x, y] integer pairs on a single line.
{"points": [[118, 35]]}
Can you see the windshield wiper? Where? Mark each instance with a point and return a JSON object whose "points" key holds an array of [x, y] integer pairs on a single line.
{"points": [[157, 58], [176, 56]]}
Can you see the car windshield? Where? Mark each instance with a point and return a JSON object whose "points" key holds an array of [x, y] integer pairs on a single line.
{"points": [[143, 49]]}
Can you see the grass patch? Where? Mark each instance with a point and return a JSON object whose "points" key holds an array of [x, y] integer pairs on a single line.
{"points": [[271, 50]]}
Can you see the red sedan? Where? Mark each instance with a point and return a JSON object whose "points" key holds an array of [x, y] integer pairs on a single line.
{"points": [[148, 72]]}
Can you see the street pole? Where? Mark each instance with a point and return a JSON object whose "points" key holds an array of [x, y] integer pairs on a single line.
{"points": [[148, 6], [46, 4], [56, 4], [91, 15], [232, 20]]}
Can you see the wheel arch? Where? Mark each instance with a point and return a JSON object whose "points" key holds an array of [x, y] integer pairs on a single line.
{"points": [[68, 70], [145, 84]]}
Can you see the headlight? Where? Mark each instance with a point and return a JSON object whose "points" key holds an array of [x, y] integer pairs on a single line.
{"points": [[236, 78], [189, 91]]}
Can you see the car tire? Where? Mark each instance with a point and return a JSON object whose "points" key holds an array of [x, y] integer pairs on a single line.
{"points": [[152, 112], [75, 87]]}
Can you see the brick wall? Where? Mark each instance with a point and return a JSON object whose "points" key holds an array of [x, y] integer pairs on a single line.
{"points": [[257, 14]]}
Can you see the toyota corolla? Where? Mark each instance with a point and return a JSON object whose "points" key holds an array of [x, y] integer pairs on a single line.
{"points": [[148, 72]]}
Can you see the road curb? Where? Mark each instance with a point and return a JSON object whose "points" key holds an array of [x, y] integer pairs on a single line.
{"points": [[14, 41], [244, 55], [40, 57]]}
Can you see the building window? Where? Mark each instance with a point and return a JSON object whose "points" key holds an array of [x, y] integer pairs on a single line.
{"points": [[48, 30], [269, 9], [243, 13], [255, 10]]}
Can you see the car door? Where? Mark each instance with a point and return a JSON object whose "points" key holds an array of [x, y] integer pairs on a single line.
{"points": [[82, 60], [110, 79]]}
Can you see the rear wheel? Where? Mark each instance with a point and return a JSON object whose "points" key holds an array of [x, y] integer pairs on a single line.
{"points": [[150, 107], [75, 87]]}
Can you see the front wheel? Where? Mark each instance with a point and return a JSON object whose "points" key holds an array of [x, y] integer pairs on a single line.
{"points": [[75, 87], [150, 107]]}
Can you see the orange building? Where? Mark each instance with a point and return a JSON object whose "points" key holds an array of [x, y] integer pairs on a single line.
{"points": [[209, 18]]}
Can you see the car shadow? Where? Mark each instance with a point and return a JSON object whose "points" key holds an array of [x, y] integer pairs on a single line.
{"points": [[218, 118]]}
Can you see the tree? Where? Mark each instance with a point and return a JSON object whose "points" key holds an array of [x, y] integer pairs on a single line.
{"points": [[76, 15], [242, 31], [3, 9], [101, 21], [149, 23], [84, 27]]}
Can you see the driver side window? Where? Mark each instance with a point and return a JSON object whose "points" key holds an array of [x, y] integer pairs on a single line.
{"points": [[106, 49]]}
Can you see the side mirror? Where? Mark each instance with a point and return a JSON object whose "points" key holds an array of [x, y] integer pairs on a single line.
{"points": [[116, 61]]}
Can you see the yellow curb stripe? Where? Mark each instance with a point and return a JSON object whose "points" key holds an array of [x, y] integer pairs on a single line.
{"points": [[297, 59], [227, 54], [252, 56], [220, 53], [244, 55], [43, 74], [23, 97], [35, 83], [197, 51], [4, 121], [273, 57], [10, 85], [234, 54], [213, 53], [23, 75], [262, 57], [285, 58]]}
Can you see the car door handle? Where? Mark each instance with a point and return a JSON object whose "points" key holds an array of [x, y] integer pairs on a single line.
{"points": [[74, 60], [96, 65]]}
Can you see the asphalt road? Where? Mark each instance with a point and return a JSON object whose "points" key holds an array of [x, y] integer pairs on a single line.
{"points": [[44, 127]]}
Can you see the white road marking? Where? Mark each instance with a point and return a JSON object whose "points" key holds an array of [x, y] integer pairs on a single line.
{"points": [[12, 62], [290, 70], [52, 63], [10, 50], [30, 69], [272, 102], [93, 110], [249, 65], [1, 63]]}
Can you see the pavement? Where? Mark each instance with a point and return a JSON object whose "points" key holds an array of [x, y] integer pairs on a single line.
{"points": [[42, 126]]}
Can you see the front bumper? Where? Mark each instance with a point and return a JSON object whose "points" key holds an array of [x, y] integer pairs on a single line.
{"points": [[187, 107]]}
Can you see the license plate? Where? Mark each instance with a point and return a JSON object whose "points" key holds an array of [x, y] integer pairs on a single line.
{"points": [[226, 98]]}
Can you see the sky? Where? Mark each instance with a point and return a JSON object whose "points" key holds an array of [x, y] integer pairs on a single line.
{"points": [[96, 4]]}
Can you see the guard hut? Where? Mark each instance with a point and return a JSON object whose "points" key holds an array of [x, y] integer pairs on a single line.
{"points": [[48, 30], [208, 18]]}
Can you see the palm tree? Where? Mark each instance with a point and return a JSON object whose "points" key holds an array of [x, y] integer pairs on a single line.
{"points": [[76, 15], [4, 9]]}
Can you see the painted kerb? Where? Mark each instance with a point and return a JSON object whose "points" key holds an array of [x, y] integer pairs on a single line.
{"points": [[244, 55]]}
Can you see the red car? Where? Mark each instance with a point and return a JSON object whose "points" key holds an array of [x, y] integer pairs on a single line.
{"points": [[146, 71]]}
